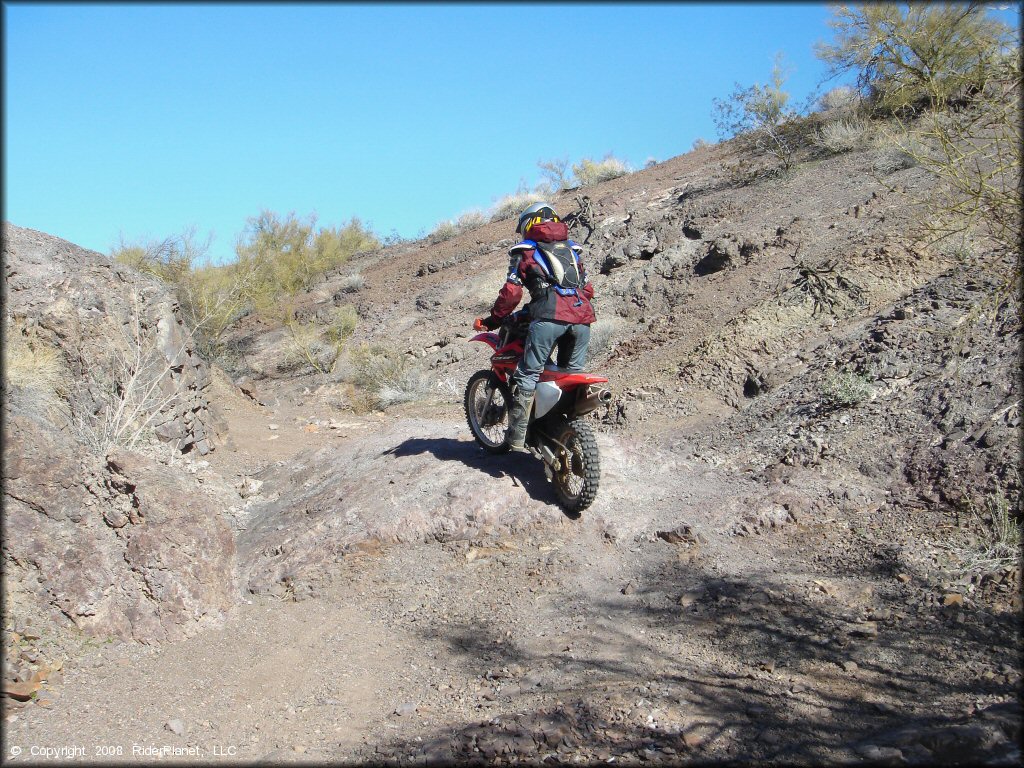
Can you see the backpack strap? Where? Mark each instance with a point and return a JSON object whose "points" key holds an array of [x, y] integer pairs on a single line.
{"points": [[520, 248]]}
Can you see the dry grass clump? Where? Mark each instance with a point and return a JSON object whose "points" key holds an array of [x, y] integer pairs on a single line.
{"points": [[387, 377], [843, 135], [998, 541], [589, 172], [513, 205], [845, 390], [448, 229], [841, 99], [35, 370], [894, 153], [353, 283]]}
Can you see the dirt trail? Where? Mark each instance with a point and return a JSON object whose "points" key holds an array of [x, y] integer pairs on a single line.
{"points": [[591, 637]]}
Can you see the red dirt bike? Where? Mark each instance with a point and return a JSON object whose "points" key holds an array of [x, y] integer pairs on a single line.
{"points": [[556, 433]]}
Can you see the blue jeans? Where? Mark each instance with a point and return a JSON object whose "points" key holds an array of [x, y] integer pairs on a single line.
{"points": [[571, 339]]}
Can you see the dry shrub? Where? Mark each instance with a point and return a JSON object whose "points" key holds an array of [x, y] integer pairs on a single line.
{"points": [[120, 398], [387, 377], [353, 283], [589, 172], [319, 346], [844, 98], [892, 153], [843, 135], [512, 205]]}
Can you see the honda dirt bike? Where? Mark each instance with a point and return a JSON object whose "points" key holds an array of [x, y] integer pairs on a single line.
{"points": [[556, 433]]}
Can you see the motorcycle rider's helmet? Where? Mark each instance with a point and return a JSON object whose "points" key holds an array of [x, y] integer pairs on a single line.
{"points": [[535, 214]]}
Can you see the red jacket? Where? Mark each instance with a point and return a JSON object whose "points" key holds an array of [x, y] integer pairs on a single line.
{"points": [[545, 302]]}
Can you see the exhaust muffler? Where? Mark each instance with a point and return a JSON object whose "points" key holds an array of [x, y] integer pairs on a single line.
{"points": [[590, 397]]}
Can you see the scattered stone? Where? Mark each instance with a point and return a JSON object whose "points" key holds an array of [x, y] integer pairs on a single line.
{"points": [[952, 600], [176, 726], [682, 534], [885, 755], [405, 710], [849, 666], [687, 599], [867, 629], [249, 487]]}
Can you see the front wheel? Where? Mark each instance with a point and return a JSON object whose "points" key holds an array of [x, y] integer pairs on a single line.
{"points": [[580, 468], [487, 402]]}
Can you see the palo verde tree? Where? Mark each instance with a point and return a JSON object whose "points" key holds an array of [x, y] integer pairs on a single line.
{"points": [[932, 55], [909, 54], [761, 112], [287, 255]]}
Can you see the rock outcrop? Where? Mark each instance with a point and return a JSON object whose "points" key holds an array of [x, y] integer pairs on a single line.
{"points": [[107, 319], [98, 536]]}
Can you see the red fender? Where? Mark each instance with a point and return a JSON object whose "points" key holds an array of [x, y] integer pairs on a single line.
{"points": [[490, 337], [568, 380]]}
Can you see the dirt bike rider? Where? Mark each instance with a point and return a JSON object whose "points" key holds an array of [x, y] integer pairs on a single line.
{"points": [[547, 262]]}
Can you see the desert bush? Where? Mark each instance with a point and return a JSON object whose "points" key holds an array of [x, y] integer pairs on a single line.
{"points": [[556, 173], [699, 143], [170, 260], [448, 229], [759, 111], [843, 98], [287, 255], [387, 376], [999, 542], [318, 346], [512, 205], [913, 53], [843, 135], [211, 297], [119, 399], [976, 156], [445, 230], [589, 172], [353, 283], [307, 349], [844, 390]]}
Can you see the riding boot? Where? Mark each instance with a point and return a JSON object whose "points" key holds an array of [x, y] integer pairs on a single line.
{"points": [[518, 418]]}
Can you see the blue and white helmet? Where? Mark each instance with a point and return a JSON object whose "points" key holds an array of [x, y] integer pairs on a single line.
{"points": [[535, 214]]}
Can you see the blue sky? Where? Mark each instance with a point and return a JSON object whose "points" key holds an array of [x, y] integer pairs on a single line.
{"points": [[143, 120]]}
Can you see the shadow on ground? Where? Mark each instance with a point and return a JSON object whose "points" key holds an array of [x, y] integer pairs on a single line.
{"points": [[692, 667]]}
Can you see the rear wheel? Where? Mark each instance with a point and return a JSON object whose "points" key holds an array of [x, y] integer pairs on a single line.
{"points": [[577, 478], [487, 402]]}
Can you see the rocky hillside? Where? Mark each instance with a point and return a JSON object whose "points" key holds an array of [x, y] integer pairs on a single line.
{"points": [[813, 436]]}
